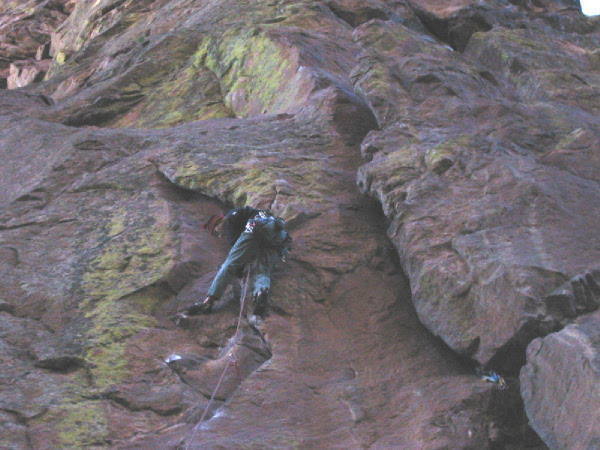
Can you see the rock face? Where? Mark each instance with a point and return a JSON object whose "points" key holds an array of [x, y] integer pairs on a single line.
{"points": [[564, 369], [25, 30], [475, 128], [490, 216]]}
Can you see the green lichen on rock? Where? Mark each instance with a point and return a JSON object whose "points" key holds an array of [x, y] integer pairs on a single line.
{"points": [[190, 94], [254, 178], [76, 421], [438, 290], [569, 139], [112, 323], [60, 58], [82, 425], [185, 75], [172, 86], [385, 176], [254, 71], [441, 157], [137, 254]]}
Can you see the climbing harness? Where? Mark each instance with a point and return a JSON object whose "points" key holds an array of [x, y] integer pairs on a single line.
{"points": [[230, 357]]}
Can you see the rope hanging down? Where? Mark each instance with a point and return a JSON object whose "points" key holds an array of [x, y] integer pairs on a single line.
{"points": [[229, 356]]}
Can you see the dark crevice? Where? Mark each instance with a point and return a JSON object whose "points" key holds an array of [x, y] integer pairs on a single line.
{"points": [[7, 308], [464, 364], [354, 18], [489, 77], [113, 395], [53, 221], [111, 7], [39, 77], [507, 412], [104, 110], [353, 119], [47, 100], [18, 417], [61, 364], [274, 20], [455, 30], [175, 192], [580, 295], [126, 404], [98, 119], [511, 357], [506, 409], [60, 7]]}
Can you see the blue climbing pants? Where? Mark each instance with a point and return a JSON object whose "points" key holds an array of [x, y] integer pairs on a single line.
{"points": [[247, 250]]}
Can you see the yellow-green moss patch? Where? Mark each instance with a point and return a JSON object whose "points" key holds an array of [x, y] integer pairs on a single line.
{"points": [[254, 71], [138, 251], [441, 157], [82, 425]]}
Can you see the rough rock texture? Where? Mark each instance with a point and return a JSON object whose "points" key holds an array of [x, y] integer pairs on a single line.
{"points": [[564, 369], [489, 214], [25, 30], [475, 126], [22, 73]]}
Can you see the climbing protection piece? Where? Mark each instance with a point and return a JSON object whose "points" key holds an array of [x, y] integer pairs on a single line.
{"points": [[493, 377]]}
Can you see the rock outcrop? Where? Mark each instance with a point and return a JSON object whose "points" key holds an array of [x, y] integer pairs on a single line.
{"points": [[489, 214], [564, 369], [25, 30], [473, 126]]}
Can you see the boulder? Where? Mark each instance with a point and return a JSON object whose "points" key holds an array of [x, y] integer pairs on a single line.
{"points": [[560, 385]]}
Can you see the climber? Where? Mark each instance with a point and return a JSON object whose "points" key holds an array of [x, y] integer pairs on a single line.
{"points": [[259, 239]]}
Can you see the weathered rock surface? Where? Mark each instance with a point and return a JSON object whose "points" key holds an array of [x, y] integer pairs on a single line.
{"points": [[24, 72], [489, 214], [104, 272], [25, 30], [564, 369], [156, 114]]}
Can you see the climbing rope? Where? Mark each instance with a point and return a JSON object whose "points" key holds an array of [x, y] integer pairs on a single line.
{"points": [[229, 357]]}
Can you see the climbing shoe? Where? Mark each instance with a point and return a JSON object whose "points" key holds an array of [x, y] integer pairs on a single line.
{"points": [[203, 307]]}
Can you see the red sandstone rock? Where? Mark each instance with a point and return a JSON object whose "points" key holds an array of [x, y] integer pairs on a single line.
{"points": [[479, 223], [564, 369], [165, 112], [22, 73], [27, 24]]}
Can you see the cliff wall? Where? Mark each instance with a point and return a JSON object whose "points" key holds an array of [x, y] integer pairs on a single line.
{"points": [[438, 166]]}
